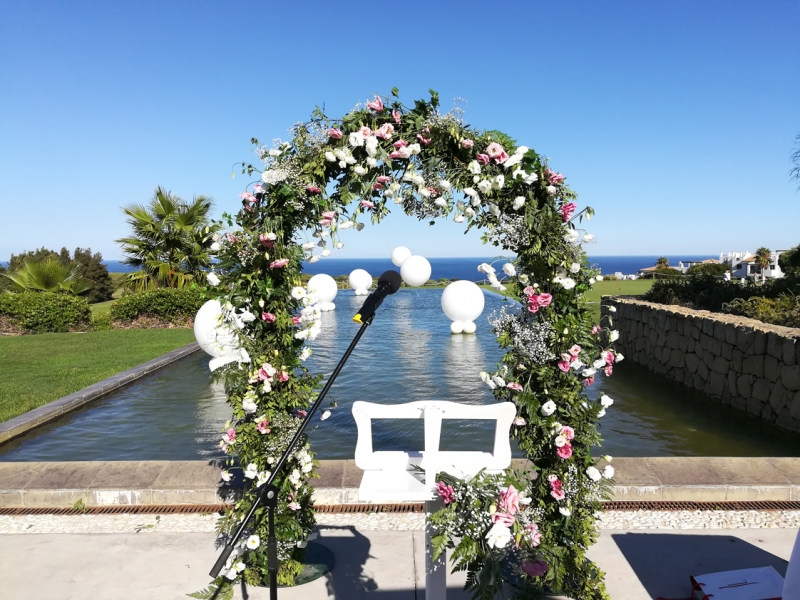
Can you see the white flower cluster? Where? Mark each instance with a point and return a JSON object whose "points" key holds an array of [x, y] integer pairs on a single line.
{"points": [[310, 316], [529, 337]]}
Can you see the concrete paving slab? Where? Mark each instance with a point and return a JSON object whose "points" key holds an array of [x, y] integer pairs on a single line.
{"points": [[66, 476], [385, 565], [128, 475]]}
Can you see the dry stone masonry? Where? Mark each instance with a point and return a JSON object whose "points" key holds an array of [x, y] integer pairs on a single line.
{"points": [[748, 364]]}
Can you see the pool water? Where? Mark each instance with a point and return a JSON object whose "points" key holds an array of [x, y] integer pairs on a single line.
{"points": [[408, 354]]}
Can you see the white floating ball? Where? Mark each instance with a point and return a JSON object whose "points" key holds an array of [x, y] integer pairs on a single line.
{"points": [[470, 327], [214, 337], [323, 287], [456, 327], [462, 301], [360, 280], [416, 270], [399, 255]]}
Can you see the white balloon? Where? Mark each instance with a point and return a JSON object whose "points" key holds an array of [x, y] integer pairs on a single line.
{"points": [[213, 335], [360, 281], [416, 270], [462, 302], [324, 288], [399, 255]]}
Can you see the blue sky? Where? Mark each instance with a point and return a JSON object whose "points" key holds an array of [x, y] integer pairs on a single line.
{"points": [[674, 120]]}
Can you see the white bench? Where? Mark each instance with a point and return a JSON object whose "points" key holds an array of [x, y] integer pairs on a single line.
{"points": [[410, 476]]}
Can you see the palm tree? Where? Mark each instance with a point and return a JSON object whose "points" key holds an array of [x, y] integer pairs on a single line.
{"points": [[49, 276], [662, 263], [762, 261], [170, 241]]}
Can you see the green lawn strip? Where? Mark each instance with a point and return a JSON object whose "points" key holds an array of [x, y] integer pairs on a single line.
{"points": [[101, 308], [636, 287], [37, 369]]}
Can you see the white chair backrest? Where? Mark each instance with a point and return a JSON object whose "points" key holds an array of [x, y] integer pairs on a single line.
{"points": [[461, 464]]}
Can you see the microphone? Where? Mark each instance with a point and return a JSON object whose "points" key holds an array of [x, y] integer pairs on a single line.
{"points": [[388, 283]]}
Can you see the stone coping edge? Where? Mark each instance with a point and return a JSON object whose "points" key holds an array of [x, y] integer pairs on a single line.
{"points": [[52, 410], [101, 483]]}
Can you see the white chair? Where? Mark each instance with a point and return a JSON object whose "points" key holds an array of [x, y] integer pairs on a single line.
{"points": [[410, 476]]}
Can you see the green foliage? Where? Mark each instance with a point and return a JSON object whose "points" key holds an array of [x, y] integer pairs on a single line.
{"points": [[168, 305], [784, 310], [101, 321], [662, 262], [48, 276], [35, 256], [220, 590], [5, 283], [92, 269], [708, 269], [789, 262], [170, 243], [40, 312]]}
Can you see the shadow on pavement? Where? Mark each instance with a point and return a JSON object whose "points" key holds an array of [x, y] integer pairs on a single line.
{"points": [[664, 562]]}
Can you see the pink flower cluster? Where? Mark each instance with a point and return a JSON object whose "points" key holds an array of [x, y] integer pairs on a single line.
{"points": [[385, 131], [514, 386], [556, 490], [263, 426], [567, 358], [496, 151], [313, 189], [268, 317], [267, 239], [376, 105], [230, 435], [507, 506], [446, 492], [609, 358], [567, 211], [555, 178], [279, 264], [537, 301], [327, 218]]}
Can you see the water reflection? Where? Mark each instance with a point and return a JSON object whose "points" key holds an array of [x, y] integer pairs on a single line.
{"points": [[407, 354]]}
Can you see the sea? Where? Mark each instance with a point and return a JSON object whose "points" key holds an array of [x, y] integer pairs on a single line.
{"points": [[461, 267]]}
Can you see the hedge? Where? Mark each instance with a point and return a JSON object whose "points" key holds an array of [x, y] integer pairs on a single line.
{"points": [[165, 304], [43, 312]]}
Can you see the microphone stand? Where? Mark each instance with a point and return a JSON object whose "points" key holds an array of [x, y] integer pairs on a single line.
{"points": [[267, 493]]}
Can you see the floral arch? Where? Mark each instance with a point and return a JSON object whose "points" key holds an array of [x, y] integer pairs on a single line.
{"points": [[531, 528]]}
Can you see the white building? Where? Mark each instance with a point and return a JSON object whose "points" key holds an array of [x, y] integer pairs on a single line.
{"points": [[743, 265]]}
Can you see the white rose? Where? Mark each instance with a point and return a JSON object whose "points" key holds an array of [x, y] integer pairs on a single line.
{"points": [[521, 150], [424, 192], [444, 184], [485, 268], [588, 237], [599, 363], [371, 146], [298, 292], [305, 354], [414, 149], [339, 245], [469, 212], [330, 157], [418, 179], [251, 471], [356, 139], [608, 472], [326, 252], [497, 182], [594, 474], [212, 279], [474, 168], [509, 269], [512, 160], [499, 381], [588, 372], [498, 536], [494, 209], [230, 574], [618, 357], [440, 202], [605, 401], [574, 268], [470, 192], [564, 511], [372, 162], [249, 406], [612, 309], [215, 247], [560, 441], [458, 218], [548, 408], [359, 170], [484, 185], [614, 335], [519, 202], [602, 413], [551, 189]]}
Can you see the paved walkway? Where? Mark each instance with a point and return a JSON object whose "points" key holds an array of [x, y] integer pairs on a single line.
{"points": [[384, 565]]}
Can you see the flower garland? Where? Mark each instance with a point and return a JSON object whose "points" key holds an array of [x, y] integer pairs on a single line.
{"points": [[334, 175]]}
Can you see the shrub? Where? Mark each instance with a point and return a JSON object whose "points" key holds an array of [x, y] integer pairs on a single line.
{"points": [[778, 311], [711, 269], [164, 305], [101, 322], [43, 312]]}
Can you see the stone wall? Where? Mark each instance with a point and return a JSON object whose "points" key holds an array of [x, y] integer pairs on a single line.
{"points": [[748, 364]]}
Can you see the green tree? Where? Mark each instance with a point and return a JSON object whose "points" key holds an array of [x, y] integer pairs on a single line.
{"points": [[170, 241], [715, 269], [789, 262], [49, 276], [662, 262], [91, 267], [5, 282], [762, 260], [18, 261]]}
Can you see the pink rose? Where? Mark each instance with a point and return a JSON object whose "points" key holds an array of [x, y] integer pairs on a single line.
{"points": [[564, 451], [494, 150], [575, 350], [396, 154], [376, 105], [377, 186], [609, 357], [400, 144], [268, 317], [425, 141], [509, 500], [544, 300], [284, 376], [295, 320], [564, 366], [555, 178], [325, 222], [467, 144], [335, 133], [588, 381], [367, 204], [568, 432], [396, 116], [385, 132], [553, 479], [263, 374], [567, 210], [529, 291], [445, 492], [535, 569], [299, 412], [384, 179], [294, 506], [329, 214], [365, 131], [608, 370], [559, 493], [279, 264], [533, 531], [520, 422], [230, 435], [595, 329], [267, 240], [504, 518], [263, 427], [312, 189], [514, 386], [501, 158], [248, 197], [483, 159]]}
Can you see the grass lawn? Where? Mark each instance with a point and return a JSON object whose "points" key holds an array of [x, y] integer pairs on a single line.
{"points": [[37, 369], [636, 287], [101, 308]]}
